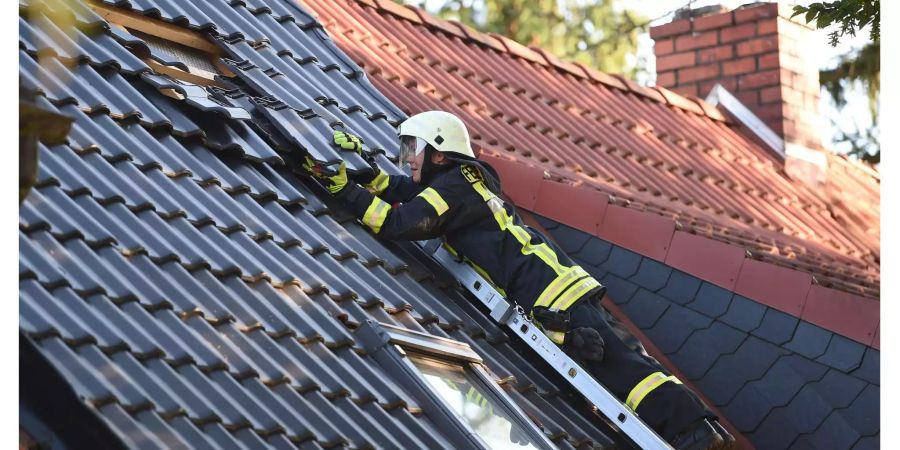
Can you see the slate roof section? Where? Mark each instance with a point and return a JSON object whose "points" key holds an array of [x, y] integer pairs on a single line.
{"points": [[655, 151], [782, 382], [195, 293]]}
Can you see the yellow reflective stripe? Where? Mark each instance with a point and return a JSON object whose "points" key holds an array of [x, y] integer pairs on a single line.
{"points": [[507, 223], [573, 293], [376, 214], [434, 199], [379, 183], [647, 385], [556, 286], [559, 337]]}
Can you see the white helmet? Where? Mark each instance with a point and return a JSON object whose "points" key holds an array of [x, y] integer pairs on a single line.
{"points": [[444, 131]]}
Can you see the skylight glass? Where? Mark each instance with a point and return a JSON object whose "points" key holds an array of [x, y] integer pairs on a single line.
{"points": [[472, 403]]}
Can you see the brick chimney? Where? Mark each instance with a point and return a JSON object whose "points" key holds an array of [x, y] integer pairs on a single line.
{"points": [[757, 53]]}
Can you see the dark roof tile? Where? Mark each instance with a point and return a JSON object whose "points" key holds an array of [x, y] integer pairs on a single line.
{"points": [[569, 239], [748, 408], [838, 389], [645, 308], [619, 290], [835, 432], [776, 327], [711, 300], [681, 287], [783, 380], [652, 275], [868, 443], [843, 354], [870, 368], [136, 434], [807, 410], [675, 326], [594, 253], [864, 414], [809, 340], [730, 372], [776, 432], [621, 262], [701, 350], [744, 314]]}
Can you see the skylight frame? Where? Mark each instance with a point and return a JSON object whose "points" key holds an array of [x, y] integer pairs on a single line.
{"points": [[174, 34], [392, 348]]}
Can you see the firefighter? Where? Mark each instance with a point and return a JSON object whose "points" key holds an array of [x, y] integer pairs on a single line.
{"points": [[453, 195]]}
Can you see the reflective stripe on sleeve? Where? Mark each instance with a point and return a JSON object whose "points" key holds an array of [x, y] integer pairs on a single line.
{"points": [[646, 386], [376, 214], [379, 183], [556, 286], [573, 293], [435, 200]]}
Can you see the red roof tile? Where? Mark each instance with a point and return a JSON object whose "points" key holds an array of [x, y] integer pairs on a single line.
{"points": [[654, 150]]}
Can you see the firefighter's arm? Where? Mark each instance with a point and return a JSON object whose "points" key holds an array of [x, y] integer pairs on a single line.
{"points": [[423, 217]]}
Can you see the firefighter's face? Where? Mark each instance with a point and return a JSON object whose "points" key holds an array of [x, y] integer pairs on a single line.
{"points": [[415, 165]]}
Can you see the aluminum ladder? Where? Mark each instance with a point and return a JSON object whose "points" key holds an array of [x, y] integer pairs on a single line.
{"points": [[505, 313]]}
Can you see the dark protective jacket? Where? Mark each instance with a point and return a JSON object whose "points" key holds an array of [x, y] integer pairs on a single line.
{"points": [[477, 226]]}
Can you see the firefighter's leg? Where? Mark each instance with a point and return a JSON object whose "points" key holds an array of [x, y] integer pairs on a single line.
{"points": [[660, 400]]}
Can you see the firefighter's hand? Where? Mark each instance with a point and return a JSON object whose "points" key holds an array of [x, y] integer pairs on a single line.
{"points": [[335, 183], [516, 436], [585, 343], [348, 141]]}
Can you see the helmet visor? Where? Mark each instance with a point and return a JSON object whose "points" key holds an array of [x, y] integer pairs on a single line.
{"points": [[409, 145]]}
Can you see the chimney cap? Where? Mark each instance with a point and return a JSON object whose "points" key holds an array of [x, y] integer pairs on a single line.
{"points": [[690, 13]]}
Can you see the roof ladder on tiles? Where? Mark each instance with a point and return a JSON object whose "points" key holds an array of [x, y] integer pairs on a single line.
{"points": [[505, 313]]}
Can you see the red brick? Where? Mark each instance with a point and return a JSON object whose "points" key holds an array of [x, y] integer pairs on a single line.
{"points": [[692, 41], [770, 95], [665, 79], [748, 98], [758, 79], [664, 47], [686, 89], [767, 27], [729, 83], [768, 113], [738, 32], [757, 46], [670, 29], [675, 61], [713, 21], [698, 73], [739, 66], [768, 61], [756, 13], [719, 53]]}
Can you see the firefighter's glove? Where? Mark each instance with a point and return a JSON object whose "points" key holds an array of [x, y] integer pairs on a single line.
{"points": [[348, 141], [354, 143], [334, 182], [585, 343]]}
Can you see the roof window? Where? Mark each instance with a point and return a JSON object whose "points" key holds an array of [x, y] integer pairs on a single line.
{"points": [[453, 387], [174, 51]]}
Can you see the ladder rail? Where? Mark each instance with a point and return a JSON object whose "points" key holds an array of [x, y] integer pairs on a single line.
{"points": [[506, 314]]}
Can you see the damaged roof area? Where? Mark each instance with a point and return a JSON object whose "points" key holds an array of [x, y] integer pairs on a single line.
{"points": [[183, 285], [650, 149]]}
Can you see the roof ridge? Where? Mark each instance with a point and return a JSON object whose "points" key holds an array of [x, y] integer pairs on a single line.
{"points": [[858, 165], [540, 56]]}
